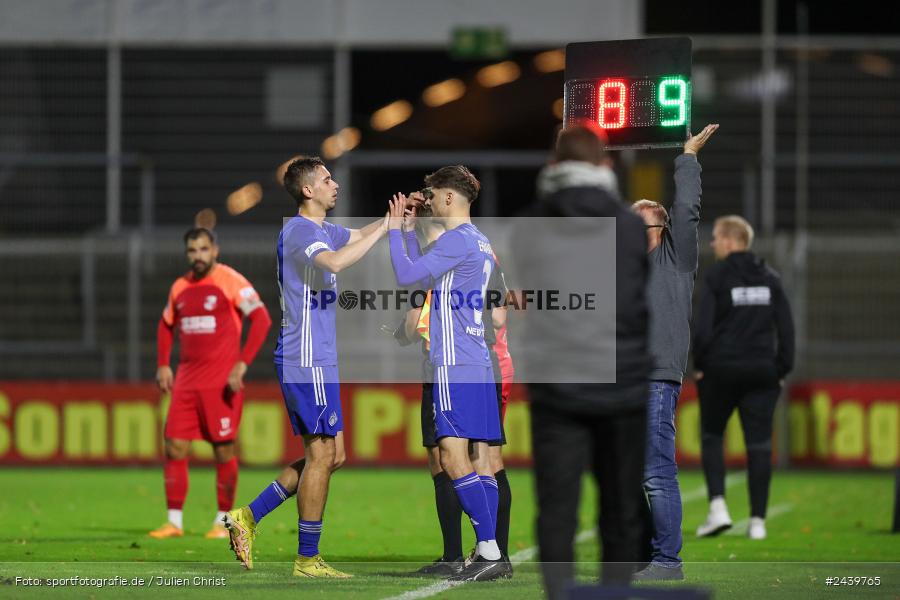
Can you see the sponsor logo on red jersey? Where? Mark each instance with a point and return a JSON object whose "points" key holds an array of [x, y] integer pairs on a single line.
{"points": [[205, 324]]}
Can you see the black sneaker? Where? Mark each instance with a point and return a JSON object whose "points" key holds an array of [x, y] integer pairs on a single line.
{"points": [[442, 567], [508, 565], [482, 569], [657, 572]]}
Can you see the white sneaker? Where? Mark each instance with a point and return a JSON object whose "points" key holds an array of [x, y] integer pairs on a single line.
{"points": [[757, 529], [718, 519]]}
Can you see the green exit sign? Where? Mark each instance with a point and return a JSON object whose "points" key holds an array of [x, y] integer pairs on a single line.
{"points": [[479, 42]]}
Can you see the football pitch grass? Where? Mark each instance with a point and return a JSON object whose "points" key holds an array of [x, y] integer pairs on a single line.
{"points": [[380, 526]]}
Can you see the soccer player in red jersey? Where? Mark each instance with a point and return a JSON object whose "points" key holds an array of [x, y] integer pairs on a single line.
{"points": [[207, 306]]}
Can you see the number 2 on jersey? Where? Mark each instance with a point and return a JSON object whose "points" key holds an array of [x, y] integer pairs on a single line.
{"points": [[485, 277]]}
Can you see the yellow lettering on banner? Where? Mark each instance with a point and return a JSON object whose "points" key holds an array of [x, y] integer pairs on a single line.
{"points": [[798, 426], [884, 434], [134, 430], [821, 413], [201, 450], [646, 179], [518, 431], [5, 410], [687, 430], [84, 430], [37, 430], [376, 412], [734, 436], [848, 441], [414, 447], [165, 400], [262, 433]]}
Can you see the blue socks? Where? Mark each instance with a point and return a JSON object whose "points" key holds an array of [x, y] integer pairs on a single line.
{"points": [[493, 496], [474, 502], [269, 499], [309, 533]]}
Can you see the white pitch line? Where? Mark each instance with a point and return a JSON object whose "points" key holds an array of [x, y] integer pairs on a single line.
{"points": [[427, 591], [529, 553], [695, 494], [740, 527], [700, 492]]}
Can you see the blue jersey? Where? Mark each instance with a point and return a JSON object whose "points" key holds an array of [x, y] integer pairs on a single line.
{"points": [[460, 262], [308, 294]]}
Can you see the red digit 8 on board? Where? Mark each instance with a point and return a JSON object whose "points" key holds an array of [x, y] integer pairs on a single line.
{"points": [[612, 98]]}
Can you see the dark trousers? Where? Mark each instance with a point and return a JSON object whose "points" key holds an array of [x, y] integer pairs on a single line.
{"points": [[564, 445], [754, 393]]}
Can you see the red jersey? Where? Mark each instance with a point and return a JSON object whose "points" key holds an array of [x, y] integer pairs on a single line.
{"points": [[207, 314]]}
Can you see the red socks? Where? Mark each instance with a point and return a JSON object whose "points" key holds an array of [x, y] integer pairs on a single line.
{"points": [[176, 477], [226, 483]]}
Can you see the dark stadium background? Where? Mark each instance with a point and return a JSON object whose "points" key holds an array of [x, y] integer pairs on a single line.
{"points": [[82, 293]]}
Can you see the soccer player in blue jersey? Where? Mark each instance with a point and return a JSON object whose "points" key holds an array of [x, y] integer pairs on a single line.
{"points": [[466, 417], [311, 251]]}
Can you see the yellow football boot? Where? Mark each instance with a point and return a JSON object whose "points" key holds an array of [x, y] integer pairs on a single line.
{"points": [[242, 531], [315, 566]]}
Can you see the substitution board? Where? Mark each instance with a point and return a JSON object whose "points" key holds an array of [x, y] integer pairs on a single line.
{"points": [[637, 91]]}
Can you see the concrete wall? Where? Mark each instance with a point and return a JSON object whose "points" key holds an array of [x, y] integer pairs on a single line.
{"points": [[420, 23]]}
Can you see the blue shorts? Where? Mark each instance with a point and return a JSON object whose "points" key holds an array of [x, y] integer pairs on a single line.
{"points": [[465, 403], [312, 397]]}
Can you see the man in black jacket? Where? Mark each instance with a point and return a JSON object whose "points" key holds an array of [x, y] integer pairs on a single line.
{"points": [[743, 349], [578, 421]]}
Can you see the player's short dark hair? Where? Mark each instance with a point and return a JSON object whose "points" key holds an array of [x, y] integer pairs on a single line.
{"points": [[195, 232], [584, 142], [300, 173], [456, 177]]}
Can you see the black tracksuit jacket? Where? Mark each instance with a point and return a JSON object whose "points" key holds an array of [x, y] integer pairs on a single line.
{"points": [[744, 319]]}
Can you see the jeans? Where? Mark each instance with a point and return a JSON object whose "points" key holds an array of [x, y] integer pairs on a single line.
{"points": [[661, 473]]}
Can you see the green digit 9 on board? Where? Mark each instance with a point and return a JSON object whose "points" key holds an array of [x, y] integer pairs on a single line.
{"points": [[672, 96]]}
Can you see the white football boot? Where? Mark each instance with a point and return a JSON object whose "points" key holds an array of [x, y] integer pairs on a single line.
{"points": [[718, 519]]}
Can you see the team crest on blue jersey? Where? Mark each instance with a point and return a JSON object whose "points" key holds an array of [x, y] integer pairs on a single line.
{"points": [[332, 419], [308, 293]]}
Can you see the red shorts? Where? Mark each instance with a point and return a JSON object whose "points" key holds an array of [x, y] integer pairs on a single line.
{"points": [[211, 415]]}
